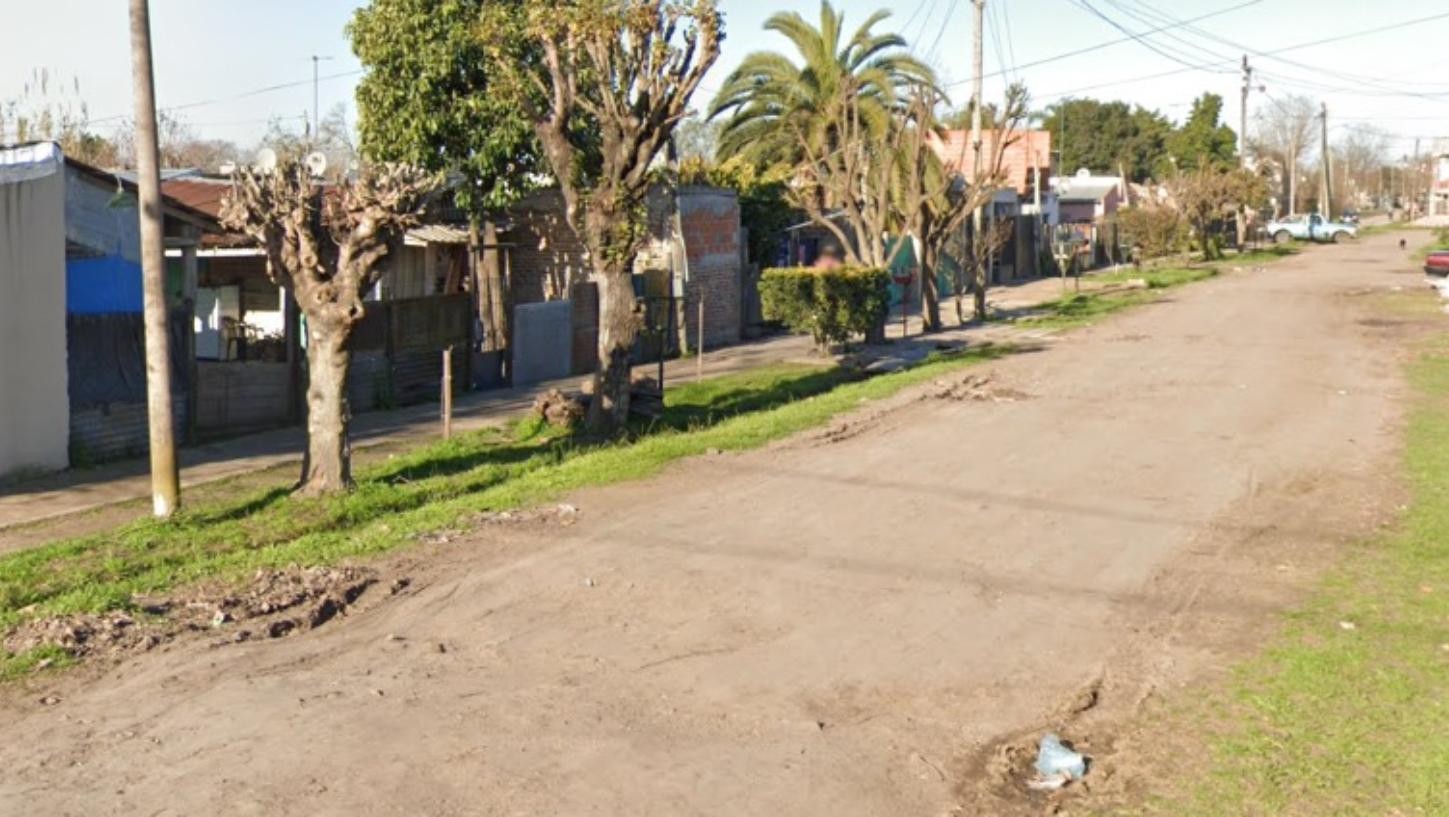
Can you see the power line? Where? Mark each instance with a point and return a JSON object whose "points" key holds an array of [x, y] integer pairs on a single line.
{"points": [[243, 95], [1371, 82], [1099, 46], [950, 10], [1140, 39], [1285, 49]]}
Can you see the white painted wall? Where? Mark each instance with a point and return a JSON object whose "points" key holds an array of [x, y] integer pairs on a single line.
{"points": [[34, 404]]}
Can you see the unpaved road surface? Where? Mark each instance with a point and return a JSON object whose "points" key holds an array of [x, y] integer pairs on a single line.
{"points": [[845, 624]]}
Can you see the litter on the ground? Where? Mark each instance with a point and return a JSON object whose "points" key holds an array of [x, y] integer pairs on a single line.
{"points": [[1056, 765]]}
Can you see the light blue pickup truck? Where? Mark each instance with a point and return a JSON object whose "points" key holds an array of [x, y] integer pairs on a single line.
{"points": [[1309, 228]]}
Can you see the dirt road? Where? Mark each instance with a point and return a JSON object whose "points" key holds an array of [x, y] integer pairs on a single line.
{"points": [[846, 624]]}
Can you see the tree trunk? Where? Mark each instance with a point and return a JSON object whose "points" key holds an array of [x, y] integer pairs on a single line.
{"points": [[978, 296], [930, 294], [619, 320], [327, 467]]}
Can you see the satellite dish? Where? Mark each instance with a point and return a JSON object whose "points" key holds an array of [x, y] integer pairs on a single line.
{"points": [[316, 163], [267, 159], [227, 168]]}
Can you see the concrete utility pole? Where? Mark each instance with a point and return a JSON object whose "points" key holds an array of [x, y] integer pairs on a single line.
{"points": [[165, 484], [1327, 207], [1242, 219], [316, 110], [1243, 114], [979, 11]]}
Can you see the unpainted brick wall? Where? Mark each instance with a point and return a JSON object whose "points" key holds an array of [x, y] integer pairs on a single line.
{"points": [[710, 218]]}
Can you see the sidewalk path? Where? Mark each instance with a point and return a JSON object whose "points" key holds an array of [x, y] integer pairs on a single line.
{"points": [[80, 490]]}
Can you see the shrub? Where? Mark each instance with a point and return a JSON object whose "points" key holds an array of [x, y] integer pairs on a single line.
{"points": [[1153, 229], [830, 304]]}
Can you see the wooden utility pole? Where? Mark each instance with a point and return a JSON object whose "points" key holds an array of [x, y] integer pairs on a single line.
{"points": [[1327, 207], [979, 11], [165, 483]]}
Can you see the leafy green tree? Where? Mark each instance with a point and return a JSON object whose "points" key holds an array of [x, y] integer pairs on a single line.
{"points": [[1108, 137], [428, 100], [1204, 141]]}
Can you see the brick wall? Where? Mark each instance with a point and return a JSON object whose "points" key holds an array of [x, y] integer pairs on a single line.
{"points": [[545, 258], [710, 219]]}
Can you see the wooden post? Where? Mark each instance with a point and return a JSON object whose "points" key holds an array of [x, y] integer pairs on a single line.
{"points": [[189, 269], [165, 480], [699, 336], [448, 392]]}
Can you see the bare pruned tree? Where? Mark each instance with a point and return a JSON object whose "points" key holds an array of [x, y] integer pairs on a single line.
{"points": [[611, 81], [1208, 193], [939, 189], [1284, 134], [1360, 156], [326, 245]]}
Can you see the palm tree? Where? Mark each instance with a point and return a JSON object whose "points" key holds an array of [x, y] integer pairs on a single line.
{"points": [[778, 108], [830, 118]]}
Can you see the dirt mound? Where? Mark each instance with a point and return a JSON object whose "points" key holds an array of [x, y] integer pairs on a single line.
{"points": [[977, 387], [274, 603], [558, 409], [83, 634]]}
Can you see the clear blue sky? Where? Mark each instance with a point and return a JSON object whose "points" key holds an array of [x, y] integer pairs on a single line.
{"points": [[214, 50]]}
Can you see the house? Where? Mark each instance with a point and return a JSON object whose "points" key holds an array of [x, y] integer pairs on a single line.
{"points": [[72, 356], [1083, 198], [692, 256], [248, 350], [1439, 187], [1026, 158]]}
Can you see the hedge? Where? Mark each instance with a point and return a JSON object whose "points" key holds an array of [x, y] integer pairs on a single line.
{"points": [[830, 304]]}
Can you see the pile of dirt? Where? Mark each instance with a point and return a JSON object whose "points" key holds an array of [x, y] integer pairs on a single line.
{"points": [[976, 387], [279, 602], [275, 603], [83, 634], [558, 409]]}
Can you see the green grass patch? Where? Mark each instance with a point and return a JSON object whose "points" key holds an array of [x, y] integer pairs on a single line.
{"points": [[1083, 308], [431, 488], [25, 663], [1350, 721], [1387, 227], [1262, 255], [1440, 242]]}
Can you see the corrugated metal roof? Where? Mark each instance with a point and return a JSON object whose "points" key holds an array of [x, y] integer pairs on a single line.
{"points": [[438, 234], [1093, 189]]}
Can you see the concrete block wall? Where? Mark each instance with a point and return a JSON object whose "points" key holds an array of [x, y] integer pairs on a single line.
{"points": [[111, 431]]}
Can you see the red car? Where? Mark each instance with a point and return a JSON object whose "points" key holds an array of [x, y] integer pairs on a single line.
{"points": [[1437, 263]]}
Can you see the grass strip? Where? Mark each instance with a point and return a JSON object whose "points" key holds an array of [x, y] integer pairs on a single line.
{"points": [[432, 488], [1348, 719]]}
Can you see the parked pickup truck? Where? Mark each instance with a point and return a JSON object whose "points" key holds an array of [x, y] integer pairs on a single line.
{"points": [[1309, 228], [1437, 263]]}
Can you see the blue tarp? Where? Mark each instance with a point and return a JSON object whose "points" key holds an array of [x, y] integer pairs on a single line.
{"points": [[100, 285]]}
